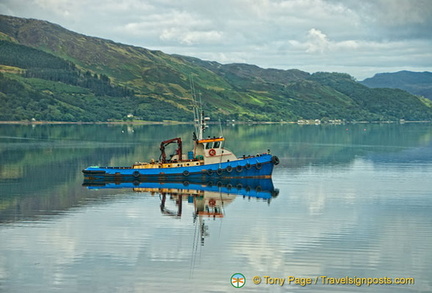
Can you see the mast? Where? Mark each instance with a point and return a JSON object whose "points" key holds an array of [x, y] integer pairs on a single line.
{"points": [[199, 118]]}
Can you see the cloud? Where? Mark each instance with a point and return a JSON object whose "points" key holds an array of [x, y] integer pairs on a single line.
{"points": [[63, 8], [318, 41], [191, 37], [393, 19], [173, 27]]}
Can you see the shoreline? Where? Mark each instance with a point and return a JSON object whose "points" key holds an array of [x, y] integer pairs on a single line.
{"points": [[136, 122], [187, 123]]}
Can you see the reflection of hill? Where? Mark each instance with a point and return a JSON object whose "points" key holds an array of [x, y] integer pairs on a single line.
{"points": [[417, 155], [44, 185], [40, 164]]}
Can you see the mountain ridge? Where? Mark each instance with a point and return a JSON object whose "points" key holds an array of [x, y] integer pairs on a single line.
{"points": [[416, 83], [152, 85]]}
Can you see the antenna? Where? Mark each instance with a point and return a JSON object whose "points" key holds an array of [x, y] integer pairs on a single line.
{"points": [[195, 107], [199, 118]]}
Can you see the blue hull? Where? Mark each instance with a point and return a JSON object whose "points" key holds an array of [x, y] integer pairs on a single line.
{"points": [[255, 167]]}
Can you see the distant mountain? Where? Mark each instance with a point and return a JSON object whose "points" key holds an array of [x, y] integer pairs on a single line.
{"points": [[50, 73], [416, 83]]}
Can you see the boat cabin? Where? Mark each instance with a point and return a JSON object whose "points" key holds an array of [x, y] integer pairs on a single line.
{"points": [[211, 150]]}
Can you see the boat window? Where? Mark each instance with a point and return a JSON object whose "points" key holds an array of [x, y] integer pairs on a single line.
{"points": [[217, 144], [209, 145]]}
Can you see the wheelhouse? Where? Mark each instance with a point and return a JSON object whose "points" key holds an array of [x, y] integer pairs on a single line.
{"points": [[211, 150]]}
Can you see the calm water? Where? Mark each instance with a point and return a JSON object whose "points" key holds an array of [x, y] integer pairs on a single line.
{"points": [[354, 201]]}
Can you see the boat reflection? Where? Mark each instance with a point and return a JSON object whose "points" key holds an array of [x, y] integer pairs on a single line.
{"points": [[209, 199]]}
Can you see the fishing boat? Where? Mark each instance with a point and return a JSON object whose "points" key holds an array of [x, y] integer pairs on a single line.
{"points": [[208, 159]]}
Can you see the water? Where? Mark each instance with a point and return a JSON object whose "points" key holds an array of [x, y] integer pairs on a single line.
{"points": [[354, 201]]}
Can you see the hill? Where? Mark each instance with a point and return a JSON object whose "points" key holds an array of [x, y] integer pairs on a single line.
{"points": [[416, 83], [51, 73]]}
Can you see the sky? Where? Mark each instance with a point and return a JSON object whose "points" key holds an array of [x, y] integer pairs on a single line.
{"points": [[360, 38]]}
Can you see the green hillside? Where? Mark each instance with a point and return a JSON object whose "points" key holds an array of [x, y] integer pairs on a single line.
{"points": [[50, 73], [416, 83]]}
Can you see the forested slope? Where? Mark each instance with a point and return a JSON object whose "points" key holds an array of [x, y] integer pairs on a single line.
{"points": [[50, 73]]}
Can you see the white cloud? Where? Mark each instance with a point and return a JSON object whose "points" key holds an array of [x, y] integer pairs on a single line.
{"points": [[64, 8], [191, 37], [318, 41]]}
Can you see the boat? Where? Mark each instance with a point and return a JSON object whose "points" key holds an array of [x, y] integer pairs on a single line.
{"points": [[208, 159]]}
